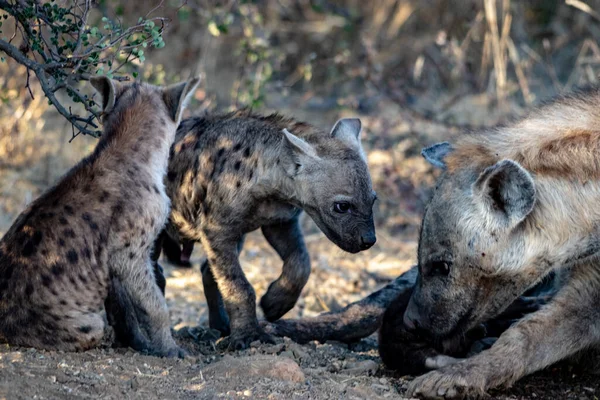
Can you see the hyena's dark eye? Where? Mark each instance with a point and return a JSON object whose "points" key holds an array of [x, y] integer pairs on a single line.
{"points": [[342, 207], [440, 268]]}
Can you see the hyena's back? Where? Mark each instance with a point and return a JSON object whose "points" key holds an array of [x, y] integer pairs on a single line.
{"points": [[52, 280]]}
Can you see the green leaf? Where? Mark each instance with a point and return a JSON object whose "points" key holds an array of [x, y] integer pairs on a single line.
{"points": [[104, 19], [135, 74]]}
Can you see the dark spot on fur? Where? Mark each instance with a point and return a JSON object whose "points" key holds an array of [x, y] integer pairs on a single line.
{"points": [[171, 176], [85, 329], [220, 152], [61, 242], [104, 196], [72, 256], [31, 245], [63, 221], [155, 189], [206, 209], [238, 184], [83, 279], [250, 175], [131, 255], [63, 302], [127, 244], [237, 165], [70, 233], [247, 152], [46, 280], [73, 281], [58, 269], [91, 223], [69, 210], [237, 147], [87, 253]]}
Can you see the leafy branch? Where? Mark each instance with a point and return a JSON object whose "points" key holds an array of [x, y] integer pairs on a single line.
{"points": [[61, 48]]}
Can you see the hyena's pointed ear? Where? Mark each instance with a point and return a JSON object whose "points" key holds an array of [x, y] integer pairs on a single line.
{"points": [[296, 152], [176, 97], [507, 192], [108, 89], [348, 130], [437, 153]]}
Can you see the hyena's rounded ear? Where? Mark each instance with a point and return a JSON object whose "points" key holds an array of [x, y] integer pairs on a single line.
{"points": [[507, 192], [348, 130], [176, 97], [108, 89], [437, 153]]}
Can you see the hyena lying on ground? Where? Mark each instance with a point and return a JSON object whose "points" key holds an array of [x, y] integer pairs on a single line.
{"points": [[231, 174], [89, 237], [513, 204]]}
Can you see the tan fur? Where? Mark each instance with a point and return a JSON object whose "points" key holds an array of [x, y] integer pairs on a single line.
{"points": [[514, 204]]}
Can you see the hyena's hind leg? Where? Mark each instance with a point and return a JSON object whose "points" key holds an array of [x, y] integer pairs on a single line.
{"points": [[288, 242]]}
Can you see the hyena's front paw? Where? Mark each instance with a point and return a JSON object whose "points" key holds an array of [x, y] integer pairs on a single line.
{"points": [[452, 382], [171, 352], [277, 301], [241, 339]]}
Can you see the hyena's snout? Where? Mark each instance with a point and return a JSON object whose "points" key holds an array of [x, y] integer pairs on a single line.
{"points": [[367, 239]]}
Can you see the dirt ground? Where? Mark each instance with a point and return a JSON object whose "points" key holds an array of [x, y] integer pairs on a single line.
{"points": [[285, 370]]}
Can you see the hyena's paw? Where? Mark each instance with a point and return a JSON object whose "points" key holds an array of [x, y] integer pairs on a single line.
{"points": [[276, 302], [171, 352], [452, 382], [241, 340]]}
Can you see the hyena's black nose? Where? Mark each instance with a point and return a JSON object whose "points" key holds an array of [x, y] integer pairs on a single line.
{"points": [[367, 240]]}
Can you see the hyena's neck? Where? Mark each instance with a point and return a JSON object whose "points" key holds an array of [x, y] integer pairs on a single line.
{"points": [[144, 143], [564, 227]]}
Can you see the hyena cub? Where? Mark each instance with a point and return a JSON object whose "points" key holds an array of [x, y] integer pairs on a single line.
{"points": [[513, 204], [92, 233], [231, 174]]}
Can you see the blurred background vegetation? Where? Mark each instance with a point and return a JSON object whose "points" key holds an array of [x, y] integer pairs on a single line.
{"points": [[415, 72]]}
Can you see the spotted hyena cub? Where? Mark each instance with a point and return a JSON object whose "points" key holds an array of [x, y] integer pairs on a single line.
{"points": [[231, 174], [92, 233], [513, 204]]}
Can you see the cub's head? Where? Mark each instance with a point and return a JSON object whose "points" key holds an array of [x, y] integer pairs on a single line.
{"points": [[332, 183], [476, 255], [122, 102]]}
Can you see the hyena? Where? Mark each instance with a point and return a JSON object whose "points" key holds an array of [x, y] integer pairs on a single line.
{"points": [[232, 174], [512, 204], [89, 238]]}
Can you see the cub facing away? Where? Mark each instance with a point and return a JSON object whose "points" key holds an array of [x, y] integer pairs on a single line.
{"points": [[92, 233], [513, 204], [232, 174]]}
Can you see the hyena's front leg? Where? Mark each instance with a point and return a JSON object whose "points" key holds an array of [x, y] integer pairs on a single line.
{"points": [[217, 315], [138, 283], [238, 295], [287, 240], [565, 326]]}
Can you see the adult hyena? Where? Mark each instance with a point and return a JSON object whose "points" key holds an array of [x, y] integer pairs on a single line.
{"points": [[90, 236], [513, 204], [232, 174]]}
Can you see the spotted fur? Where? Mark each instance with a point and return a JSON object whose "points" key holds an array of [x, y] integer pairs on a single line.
{"points": [[231, 174], [91, 234]]}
